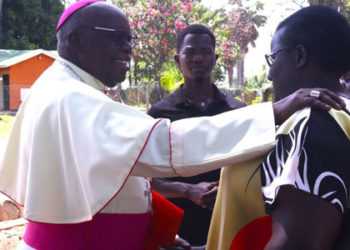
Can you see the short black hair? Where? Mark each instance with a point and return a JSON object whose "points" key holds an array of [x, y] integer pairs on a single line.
{"points": [[325, 34], [193, 29]]}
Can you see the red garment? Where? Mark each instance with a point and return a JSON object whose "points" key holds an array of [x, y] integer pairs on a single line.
{"points": [[165, 222]]}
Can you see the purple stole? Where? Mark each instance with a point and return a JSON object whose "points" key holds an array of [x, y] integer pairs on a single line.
{"points": [[104, 231]]}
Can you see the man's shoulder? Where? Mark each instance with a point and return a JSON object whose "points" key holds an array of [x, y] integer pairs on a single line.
{"points": [[58, 84], [162, 107], [57, 73], [232, 101], [326, 128], [323, 129]]}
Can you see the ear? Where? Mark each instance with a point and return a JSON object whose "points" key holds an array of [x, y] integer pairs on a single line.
{"points": [[177, 61], [302, 56], [74, 41]]}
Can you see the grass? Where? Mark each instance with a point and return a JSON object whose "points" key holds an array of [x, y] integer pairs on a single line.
{"points": [[6, 122]]}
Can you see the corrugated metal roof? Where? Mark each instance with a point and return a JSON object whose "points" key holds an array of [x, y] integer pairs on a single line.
{"points": [[9, 57], [6, 54]]}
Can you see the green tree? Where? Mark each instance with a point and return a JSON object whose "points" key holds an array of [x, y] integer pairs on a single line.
{"points": [[30, 24], [243, 22], [157, 23], [258, 88], [342, 6], [171, 77]]}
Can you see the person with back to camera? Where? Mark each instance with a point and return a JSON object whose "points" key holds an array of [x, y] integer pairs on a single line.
{"points": [[77, 160], [305, 178]]}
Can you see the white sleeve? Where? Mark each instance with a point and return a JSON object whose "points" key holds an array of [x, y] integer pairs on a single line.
{"points": [[193, 146]]}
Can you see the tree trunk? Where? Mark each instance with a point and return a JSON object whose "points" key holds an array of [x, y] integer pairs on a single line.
{"points": [[240, 77], [230, 77], [147, 96], [139, 95], [240, 73], [160, 91]]}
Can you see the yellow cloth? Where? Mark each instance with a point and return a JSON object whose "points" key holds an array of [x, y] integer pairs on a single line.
{"points": [[239, 208]]}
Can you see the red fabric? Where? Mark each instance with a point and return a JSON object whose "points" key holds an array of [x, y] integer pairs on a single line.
{"points": [[164, 224], [253, 236]]}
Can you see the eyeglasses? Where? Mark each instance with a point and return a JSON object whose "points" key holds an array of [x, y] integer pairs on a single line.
{"points": [[120, 36], [270, 58]]}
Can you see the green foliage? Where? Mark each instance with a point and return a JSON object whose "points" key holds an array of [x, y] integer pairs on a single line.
{"points": [[258, 88], [232, 92], [342, 6], [30, 24], [157, 22], [6, 122], [131, 96], [217, 75], [258, 82], [253, 9], [171, 77]]}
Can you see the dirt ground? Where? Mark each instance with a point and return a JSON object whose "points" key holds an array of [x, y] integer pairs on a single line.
{"points": [[11, 233]]}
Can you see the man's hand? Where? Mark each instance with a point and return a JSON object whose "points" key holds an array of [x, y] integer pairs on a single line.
{"points": [[301, 98], [179, 244], [209, 197], [203, 193]]}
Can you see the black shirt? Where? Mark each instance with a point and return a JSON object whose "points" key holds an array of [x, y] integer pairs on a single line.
{"points": [[313, 157], [195, 224]]}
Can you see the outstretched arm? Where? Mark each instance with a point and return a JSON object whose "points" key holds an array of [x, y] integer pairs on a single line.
{"points": [[203, 194], [199, 145]]}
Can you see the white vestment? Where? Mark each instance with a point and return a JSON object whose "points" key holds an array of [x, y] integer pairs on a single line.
{"points": [[73, 152]]}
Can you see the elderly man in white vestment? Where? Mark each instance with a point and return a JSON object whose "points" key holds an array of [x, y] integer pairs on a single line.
{"points": [[77, 161]]}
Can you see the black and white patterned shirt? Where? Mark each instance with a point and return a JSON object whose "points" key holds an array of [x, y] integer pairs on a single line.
{"points": [[312, 154]]}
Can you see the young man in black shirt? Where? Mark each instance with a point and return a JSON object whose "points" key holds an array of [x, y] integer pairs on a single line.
{"points": [[198, 96]]}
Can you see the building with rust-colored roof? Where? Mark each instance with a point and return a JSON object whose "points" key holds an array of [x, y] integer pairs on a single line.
{"points": [[18, 70]]}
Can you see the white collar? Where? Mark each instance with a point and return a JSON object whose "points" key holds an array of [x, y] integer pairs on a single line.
{"points": [[83, 75]]}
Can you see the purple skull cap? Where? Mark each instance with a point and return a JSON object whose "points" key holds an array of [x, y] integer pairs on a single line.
{"points": [[73, 8]]}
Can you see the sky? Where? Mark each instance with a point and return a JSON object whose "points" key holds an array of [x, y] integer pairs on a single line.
{"points": [[276, 11]]}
